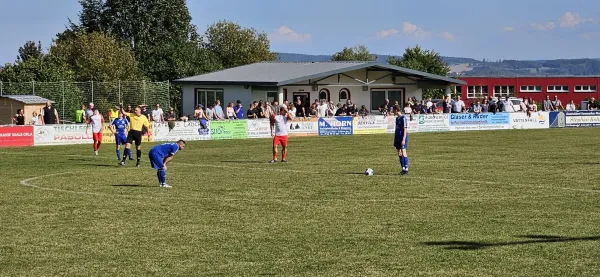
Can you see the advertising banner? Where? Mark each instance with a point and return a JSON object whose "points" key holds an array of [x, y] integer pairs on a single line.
{"points": [[433, 122], [185, 130], [484, 121], [259, 128], [16, 136], [335, 126], [557, 119], [371, 124], [582, 119], [303, 127], [61, 134], [228, 129], [537, 120], [413, 124], [108, 137]]}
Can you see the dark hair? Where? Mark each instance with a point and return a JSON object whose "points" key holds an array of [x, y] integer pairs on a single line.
{"points": [[18, 111], [182, 141]]}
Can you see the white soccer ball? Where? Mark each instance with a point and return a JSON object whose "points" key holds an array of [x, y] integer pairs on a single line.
{"points": [[369, 172]]}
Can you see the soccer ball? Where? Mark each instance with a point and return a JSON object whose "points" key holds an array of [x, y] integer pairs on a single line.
{"points": [[369, 172]]}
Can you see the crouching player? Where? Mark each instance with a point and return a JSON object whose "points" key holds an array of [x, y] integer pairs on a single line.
{"points": [[401, 140], [279, 132], [120, 126], [160, 156]]}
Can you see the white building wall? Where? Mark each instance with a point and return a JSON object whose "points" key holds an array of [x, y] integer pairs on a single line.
{"points": [[230, 94]]}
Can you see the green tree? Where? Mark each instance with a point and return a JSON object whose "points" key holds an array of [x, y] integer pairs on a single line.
{"points": [[356, 53], [423, 60], [235, 45], [96, 57], [30, 50]]}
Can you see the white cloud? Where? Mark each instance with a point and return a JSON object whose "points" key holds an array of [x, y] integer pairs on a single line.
{"points": [[543, 27], [570, 20], [413, 30], [387, 33], [286, 34], [508, 29], [449, 36]]}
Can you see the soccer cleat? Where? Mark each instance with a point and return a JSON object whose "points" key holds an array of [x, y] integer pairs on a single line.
{"points": [[273, 161], [404, 172], [137, 164], [130, 158], [284, 161], [96, 153], [122, 163], [165, 186]]}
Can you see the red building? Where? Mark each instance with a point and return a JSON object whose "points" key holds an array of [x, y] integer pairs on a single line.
{"points": [[576, 88]]}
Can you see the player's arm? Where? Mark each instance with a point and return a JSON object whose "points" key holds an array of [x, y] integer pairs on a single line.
{"points": [[167, 160], [87, 125], [147, 125]]}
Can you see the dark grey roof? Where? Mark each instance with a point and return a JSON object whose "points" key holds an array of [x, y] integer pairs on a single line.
{"points": [[285, 73], [28, 99]]}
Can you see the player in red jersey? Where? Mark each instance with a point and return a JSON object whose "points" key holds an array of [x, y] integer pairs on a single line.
{"points": [[279, 132]]}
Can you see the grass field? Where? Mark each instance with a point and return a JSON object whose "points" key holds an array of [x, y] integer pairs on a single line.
{"points": [[495, 203]]}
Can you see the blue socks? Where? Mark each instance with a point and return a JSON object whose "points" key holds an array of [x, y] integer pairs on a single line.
{"points": [[162, 176], [119, 154], [403, 163]]}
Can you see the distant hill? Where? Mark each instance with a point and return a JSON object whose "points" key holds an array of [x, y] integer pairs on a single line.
{"points": [[473, 67]]}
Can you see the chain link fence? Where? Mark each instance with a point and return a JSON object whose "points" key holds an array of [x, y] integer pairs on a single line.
{"points": [[69, 96]]}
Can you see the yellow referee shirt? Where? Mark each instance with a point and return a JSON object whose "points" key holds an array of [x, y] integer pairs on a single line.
{"points": [[137, 122]]}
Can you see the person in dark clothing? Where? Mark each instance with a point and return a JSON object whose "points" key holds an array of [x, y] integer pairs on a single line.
{"points": [[49, 114], [19, 118]]}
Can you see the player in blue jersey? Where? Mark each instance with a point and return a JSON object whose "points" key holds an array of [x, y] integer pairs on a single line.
{"points": [[160, 156], [120, 131], [401, 139]]}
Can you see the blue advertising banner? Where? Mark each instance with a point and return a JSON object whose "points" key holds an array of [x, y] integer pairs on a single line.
{"points": [[557, 119], [582, 119], [335, 126], [484, 121]]}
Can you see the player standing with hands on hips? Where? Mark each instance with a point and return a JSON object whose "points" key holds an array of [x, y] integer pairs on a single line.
{"points": [[401, 140], [279, 132], [137, 124], [160, 156]]}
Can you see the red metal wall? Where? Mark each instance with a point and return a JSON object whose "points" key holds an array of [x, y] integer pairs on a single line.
{"points": [[544, 82]]}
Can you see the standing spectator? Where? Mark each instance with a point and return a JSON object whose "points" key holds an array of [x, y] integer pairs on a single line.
{"points": [[300, 111], [89, 112], [322, 108], [391, 108], [219, 115], [446, 105], [363, 111], [571, 106], [158, 114], [331, 109], [251, 114], [547, 104], [292, 110], [210, 112], [501, 105], [341, 111], [35, 119], [199, 114], [384, 108], [485, 106], [592, 106], [286, 104], [349, 103], [145, 111], [231, 112], [19, 118], [508, 105], [268, 110], [49, 114], [458, 106], [557, 104], [239, 110], [477, 109], [260, 112], [353, 111], [534, 107], [493, 105], [429, 105], [525, 106], [128, 111], [171, 117], [312, 111], [80, 115]]}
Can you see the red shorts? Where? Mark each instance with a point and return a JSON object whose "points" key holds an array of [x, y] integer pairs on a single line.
{"points": [[277, 140], [97, 136]]}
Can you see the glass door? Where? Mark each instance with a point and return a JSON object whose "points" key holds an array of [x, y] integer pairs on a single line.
{"points": [[377, 99]]}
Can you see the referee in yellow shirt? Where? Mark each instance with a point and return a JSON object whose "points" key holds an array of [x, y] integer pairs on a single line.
{"points": [[137, 124]]}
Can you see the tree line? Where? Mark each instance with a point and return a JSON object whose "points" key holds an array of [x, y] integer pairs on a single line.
{"points": [[155, 40]]}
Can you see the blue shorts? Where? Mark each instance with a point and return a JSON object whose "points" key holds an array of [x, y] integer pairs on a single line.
{"points": [[156, 161], [120, 139], [398, 143]]}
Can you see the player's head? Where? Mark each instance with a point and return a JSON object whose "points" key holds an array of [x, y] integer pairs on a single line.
{"points": [[138, 111], [282, 111], [181, 144], [95, 111], [396, 110], [121, 115]]}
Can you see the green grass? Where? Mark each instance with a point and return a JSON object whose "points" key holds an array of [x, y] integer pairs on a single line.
{"points": [[495, 203]]}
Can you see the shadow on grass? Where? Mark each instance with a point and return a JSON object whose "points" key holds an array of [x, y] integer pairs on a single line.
{"points": [[587, 163], [528, 239], [128, 185], [246, 162]]}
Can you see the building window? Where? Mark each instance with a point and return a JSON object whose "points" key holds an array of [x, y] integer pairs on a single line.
{"points": [[585, 88], [272, 96], [324, 94], [531, 88], [378, 97], [558, 88], [458, 90], [504, 91], [477, 92], [206, 97], [344, 95]]}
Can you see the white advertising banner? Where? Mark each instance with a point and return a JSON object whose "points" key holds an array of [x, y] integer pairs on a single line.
{"points": [[303, 127], [259, 128], [61, 134], [189, 130], [537, 120], [433, 122], [413, 125]]}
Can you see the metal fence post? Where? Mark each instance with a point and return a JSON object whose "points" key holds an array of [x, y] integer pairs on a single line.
{"points": [[1, 88], [33, 87], [62, 88], [119, 92], [168, 93], [92, 91], [144, 91]]}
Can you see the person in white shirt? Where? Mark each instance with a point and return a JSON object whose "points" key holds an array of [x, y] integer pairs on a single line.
{"points": [[458, 106], [322, 108], [96, 120], [279, 132], [90, 111], [158, 114], [571, 106], [219, 111]]}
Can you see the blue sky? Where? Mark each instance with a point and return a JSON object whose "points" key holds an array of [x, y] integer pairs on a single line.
{"points": [[507, 29]]}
